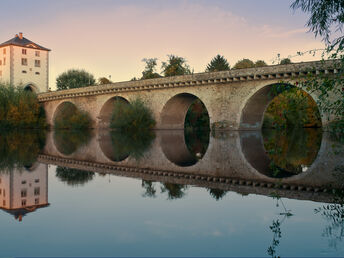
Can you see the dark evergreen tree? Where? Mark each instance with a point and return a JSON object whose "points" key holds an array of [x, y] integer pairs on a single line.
{"points": [[218, 63]]}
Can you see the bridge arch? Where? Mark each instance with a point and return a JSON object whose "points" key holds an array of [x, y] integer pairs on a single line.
{"points": [[174, 111], [107, 109], [61, 109], [252, 114]]}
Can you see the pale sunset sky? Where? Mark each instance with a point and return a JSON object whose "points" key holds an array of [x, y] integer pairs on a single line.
{"points": [[107, 37]]}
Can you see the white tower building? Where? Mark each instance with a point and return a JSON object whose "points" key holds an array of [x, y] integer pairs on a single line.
{"points": [[25, 63]]}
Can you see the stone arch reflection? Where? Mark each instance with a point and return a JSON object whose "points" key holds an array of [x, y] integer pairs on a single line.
{"points": [[68, 142], [252, 115], [184, 148], [281, 153]]}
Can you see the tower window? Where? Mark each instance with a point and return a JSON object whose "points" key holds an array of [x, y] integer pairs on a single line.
{"points": [[37, 53], [37, 73], [24, 61], [36, 191], [23, 193], [37, 63], [4, 51], [24, 51], [23, 71]]}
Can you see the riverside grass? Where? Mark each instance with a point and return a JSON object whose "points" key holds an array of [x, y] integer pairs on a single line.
{"points": [[20, 109]]}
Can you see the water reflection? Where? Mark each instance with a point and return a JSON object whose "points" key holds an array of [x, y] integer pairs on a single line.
{"points": [[217, 194], [20, 148], [281, 153], [117, 146], [69, 141], [74, 177], [23, 191], [185, 148], [173, 191]]}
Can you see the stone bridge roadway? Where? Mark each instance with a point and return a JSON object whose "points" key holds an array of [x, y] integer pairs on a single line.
{"points": [[234, 160], [236, 98]]}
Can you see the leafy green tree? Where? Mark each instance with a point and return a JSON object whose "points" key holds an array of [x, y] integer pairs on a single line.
{"points": [[150, 69], [218, 63], [285, 61], [74, 177], [103, 80], [175, 65], [260, 63], [74, 79], [244, 63]]}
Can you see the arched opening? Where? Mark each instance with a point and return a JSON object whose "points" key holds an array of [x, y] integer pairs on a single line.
{"points": [[64, 110], [112, 148], [68, 116], [107, 109], [31, 88], [252, 117], [175, 111]]}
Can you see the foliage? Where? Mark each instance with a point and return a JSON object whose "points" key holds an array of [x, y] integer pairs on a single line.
{"points": [[68, 141], [133, 143], [217, 194], [218, 63], [324, 15], [291, 151], [103, 80], [175, 65], [174, 191], [150, 190], [74, 177], [70, 117], [20, 108], [150, 69], [244, 63], [132, 117], [291, 108], [197, 116], [285, 61], [260, 63], [20, 149], [74, 78]]}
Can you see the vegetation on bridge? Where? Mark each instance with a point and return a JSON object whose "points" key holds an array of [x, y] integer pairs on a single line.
{"points": [[70, 117]]}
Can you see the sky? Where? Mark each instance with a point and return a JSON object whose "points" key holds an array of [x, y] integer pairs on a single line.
{"points": [[110, 38]]}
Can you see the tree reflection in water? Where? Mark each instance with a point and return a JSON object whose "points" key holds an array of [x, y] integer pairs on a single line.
{"points": [[291, 151], [333, 213], [276, 227], [217, 194], [197, 141], [135, 143], [20, 148], [69, 141], [174, 191], [74, 177]]}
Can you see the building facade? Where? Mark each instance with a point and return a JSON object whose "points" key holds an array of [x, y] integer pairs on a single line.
{"points": [[24, 63]]}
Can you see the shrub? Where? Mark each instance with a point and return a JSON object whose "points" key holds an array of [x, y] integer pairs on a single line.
{"points": [[20, 108], [132, 117], [70, 117]]}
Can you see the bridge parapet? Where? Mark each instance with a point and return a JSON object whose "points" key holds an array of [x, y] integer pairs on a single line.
{"points": [[287, 71]]}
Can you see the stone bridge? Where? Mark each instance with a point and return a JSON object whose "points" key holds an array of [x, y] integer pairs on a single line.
{"points": [[236, 99], [234, 160]]}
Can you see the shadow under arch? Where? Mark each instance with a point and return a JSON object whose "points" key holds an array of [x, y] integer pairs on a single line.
{"points": [[31, 88], [174, 111], [107, 109], [274, 161], [177, 147], [252, 115]]}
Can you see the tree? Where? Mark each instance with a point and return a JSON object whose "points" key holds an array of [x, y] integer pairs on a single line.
{"points": [[175, 65], [260, 63], [285, 61], [218, 63], [244, 63], [150, 69], [74, 79], [324, 15], [103, 80]]}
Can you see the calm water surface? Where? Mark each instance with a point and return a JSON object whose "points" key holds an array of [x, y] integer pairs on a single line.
{"points": [[171, 193]]}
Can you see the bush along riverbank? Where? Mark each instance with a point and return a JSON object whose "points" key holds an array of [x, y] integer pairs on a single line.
{"points": [[70, 117], [20, 109], [134, 117]]}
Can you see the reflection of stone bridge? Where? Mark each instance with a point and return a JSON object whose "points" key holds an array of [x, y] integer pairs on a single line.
{"points": [[233, 161], [236, 98]]}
